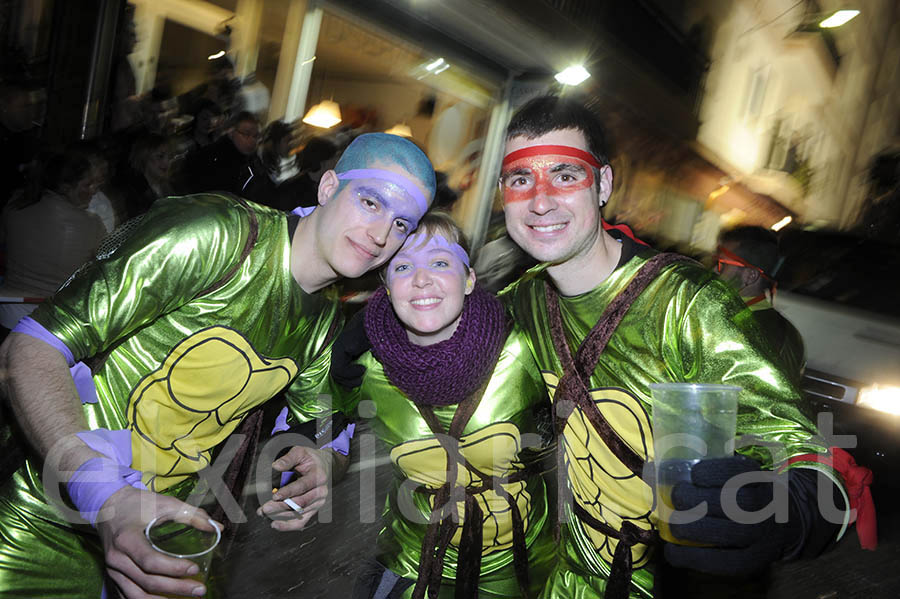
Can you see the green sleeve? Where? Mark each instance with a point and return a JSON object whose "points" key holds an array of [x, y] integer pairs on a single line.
{"points": [[720, 340], [178, 249]]}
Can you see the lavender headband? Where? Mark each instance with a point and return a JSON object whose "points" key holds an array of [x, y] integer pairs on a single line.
{"points": [[391, 177], [422, 239]]}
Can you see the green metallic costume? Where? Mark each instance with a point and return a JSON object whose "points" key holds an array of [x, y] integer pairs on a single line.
{"points": [[783, 336], [493, 441], [197, 320], [686, 326]]}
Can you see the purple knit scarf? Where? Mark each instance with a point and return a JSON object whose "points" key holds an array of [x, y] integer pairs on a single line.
{"points": [[447, 372]]}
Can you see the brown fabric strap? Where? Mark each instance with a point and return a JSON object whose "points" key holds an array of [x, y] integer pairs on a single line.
{"points": [[239, 468], [450, 440], [520, 549], [574, 386], [429, 543], [617, 587], [438, 534], [470, 546], [573, 391]]}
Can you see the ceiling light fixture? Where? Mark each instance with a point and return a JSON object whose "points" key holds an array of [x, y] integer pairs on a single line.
{"points": [[434, 64], [325, 114], [782, 223], [218, 54], [838, 18]]}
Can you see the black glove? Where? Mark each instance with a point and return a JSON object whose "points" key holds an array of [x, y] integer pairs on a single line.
{"points": [[735, 547], [350, 345]]}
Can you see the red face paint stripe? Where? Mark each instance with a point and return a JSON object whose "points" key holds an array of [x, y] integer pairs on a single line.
{"points": [[551, 150]]}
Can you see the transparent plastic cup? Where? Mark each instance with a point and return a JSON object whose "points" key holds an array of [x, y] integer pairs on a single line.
{"points": [[690, 422], [177, 539]]}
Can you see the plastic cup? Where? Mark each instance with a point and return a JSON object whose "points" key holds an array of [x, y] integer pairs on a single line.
{"points": [[690, 422], [177, 539]]}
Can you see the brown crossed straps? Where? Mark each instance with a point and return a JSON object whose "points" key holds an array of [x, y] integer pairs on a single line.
{"points": [[573, 391], [439, 532]]}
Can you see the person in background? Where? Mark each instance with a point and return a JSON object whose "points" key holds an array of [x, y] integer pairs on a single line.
{"points": [[126, 106], [221, 87], [316, 157], [101, 204], [445, 197], [605, 317], [253, 96], [748, 258], [275, 152], [275, 183], [148, 175], [195, 316], [456, 397], [227, 164], [19, 138], [48, 240], [209, 123], [289, 179]]}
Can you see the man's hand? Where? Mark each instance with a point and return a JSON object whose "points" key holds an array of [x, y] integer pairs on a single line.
{"points": [[139, 570], [315, 468], [737, 546]]}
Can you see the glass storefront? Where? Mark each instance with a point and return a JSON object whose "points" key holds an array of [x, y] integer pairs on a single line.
{"points": [[302, 55], [384, 83]]}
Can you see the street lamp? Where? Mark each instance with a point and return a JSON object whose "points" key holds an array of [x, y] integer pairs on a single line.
{"points": [[572, 75]]}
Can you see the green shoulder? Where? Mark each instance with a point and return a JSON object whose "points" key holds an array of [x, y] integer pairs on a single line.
{"points": [[523, 290]]}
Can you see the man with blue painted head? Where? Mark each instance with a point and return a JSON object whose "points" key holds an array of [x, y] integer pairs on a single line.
{"points": [[126, 382]]}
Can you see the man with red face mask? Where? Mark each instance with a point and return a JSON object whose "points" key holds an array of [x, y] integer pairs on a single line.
{"points": [[747, 257], [605, 317]]}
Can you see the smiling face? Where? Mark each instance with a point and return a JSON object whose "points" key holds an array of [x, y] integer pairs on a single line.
{"points": [[551, 196], [159, 160], [364, 221], [428, 282]]}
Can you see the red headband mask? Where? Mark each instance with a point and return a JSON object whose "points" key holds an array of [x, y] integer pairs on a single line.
{"points": [[547, 171], [723, 256]]}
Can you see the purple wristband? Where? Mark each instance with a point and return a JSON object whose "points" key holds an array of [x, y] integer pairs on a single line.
{"points": [[93, 483], [98, 478]]}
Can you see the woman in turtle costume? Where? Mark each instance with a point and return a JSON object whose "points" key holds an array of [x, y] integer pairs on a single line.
{"points": [[457, 399]]}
